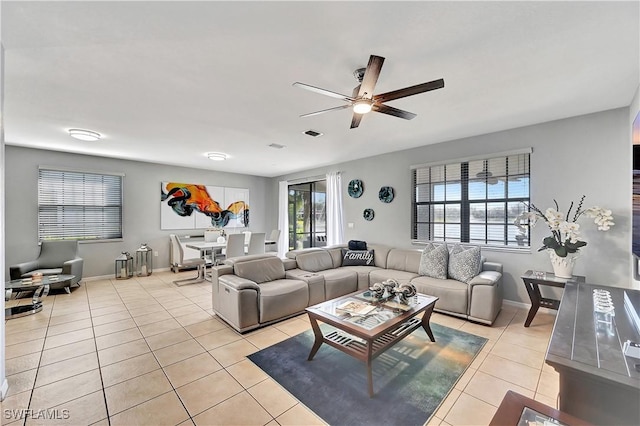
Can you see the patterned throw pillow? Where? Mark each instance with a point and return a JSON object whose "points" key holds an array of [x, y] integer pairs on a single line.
{"points": [[464, 263], [433, 262], [357, 257]]}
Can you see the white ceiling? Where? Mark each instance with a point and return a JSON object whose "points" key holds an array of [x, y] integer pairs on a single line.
{"points": [[167, 82]]}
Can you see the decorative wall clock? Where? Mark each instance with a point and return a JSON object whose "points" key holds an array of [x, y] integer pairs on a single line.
{"points": [[386, 194], [368, 214], [356, 188]]}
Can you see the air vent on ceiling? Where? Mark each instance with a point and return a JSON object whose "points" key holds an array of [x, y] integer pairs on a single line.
{"points": [[313, 133], [276, 146]]}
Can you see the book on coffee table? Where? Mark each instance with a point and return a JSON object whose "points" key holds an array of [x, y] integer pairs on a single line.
{"points": [[355, 307]]}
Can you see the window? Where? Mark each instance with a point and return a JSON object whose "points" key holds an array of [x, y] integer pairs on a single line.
{"points": [[307, 215], [78, 205], [474, 201]]}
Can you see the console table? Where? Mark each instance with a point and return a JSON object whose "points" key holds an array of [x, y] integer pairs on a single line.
{"points": [[598, 381], [533, 280]]}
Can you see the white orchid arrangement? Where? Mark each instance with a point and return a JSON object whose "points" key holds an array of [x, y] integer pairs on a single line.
{"points": [[565, 233]]}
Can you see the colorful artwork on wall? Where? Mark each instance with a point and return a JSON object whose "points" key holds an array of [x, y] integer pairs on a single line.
{"points": [[195, 206]]}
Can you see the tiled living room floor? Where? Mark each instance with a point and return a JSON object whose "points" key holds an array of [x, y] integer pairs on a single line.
{"points": [[144, 351]]}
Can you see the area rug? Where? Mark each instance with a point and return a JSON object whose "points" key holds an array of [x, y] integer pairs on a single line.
{"points": [[410, 380]]}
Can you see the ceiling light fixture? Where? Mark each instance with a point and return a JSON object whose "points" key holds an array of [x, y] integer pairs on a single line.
{"points": [[362, 106], [217, 156], [85, 135]]}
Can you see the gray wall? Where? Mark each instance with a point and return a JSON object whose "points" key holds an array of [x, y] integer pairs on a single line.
{"points": [[141, 204], [581, 155]]}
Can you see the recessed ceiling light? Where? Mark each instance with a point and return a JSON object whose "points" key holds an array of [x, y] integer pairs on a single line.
{"points": [[217, 156], [85, 135]]}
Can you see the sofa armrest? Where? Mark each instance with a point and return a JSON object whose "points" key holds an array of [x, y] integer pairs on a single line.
{"points": [[16, 271], [238, 283], [73, 267], [492, 266], [486, 278]]}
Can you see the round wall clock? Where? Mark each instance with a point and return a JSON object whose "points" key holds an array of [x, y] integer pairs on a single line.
{"points": [[386, 194], [368, 214], [356, 188]]}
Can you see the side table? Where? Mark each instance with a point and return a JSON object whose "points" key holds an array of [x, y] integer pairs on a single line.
{"points": [[533, 280]]}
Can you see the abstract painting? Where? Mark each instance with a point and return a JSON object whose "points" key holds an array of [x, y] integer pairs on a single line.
{"points": [[196, 206]]}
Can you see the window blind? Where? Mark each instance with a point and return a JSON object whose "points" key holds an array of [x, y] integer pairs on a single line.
{"points": [[473, 201], [79, 205]]}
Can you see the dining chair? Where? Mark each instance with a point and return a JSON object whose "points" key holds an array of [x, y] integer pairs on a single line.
{"points": [[235, 245], [247, 237], [274, 236], [256, 243], [198, 262]]}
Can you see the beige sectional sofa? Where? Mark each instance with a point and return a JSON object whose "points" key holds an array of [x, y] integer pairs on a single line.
{"points": [[252, 291]]}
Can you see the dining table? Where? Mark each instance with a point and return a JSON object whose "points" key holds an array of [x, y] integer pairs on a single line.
{"points": [[214, 247]]}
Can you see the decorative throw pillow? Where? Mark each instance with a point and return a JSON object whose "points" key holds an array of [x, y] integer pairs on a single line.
{"points": [[357, 257], [464, 263], [433, 262], [357, 245]]}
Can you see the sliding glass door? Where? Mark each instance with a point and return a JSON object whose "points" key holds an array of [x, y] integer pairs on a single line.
{"points": [[307, 215]]}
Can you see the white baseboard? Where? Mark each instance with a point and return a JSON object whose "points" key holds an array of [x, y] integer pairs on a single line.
{"points": [[111, 276]]}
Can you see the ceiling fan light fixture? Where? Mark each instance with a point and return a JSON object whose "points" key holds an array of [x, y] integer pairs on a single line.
{"points": [[217, 156], [85, 135], [362, 106]]}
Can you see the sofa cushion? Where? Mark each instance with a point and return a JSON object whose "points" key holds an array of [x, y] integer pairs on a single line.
{"points": [[281, 298], [314, 261], [452, 294], [357, 257], [464, 263], [404, 260], [363, 274], [338, 282], [379, 275], [434, 261], [260, 270]]}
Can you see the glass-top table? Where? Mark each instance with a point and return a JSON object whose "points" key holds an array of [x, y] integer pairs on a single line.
{"points": [[40, 288], [364, 327]]}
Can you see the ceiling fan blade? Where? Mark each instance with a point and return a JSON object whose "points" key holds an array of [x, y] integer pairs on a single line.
{"points": [[323, 91], [371, 75], [386, 109], [325, 110], [408, 91], [355, 91], [355, 121]]}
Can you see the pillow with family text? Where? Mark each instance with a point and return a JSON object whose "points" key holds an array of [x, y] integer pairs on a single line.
{"points": [[357, 257]]}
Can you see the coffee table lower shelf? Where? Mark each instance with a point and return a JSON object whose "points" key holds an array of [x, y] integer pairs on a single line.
{"points": [[358, 349]]}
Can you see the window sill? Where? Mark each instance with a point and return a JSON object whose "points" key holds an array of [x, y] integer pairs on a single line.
{"points": [[498, 249]]}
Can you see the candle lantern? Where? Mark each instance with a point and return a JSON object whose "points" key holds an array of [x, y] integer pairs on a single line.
{"points": [[144, 261], [124, 266]]}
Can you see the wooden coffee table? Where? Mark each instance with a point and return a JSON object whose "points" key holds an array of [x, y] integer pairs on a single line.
{"points": [[366, 337]]}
